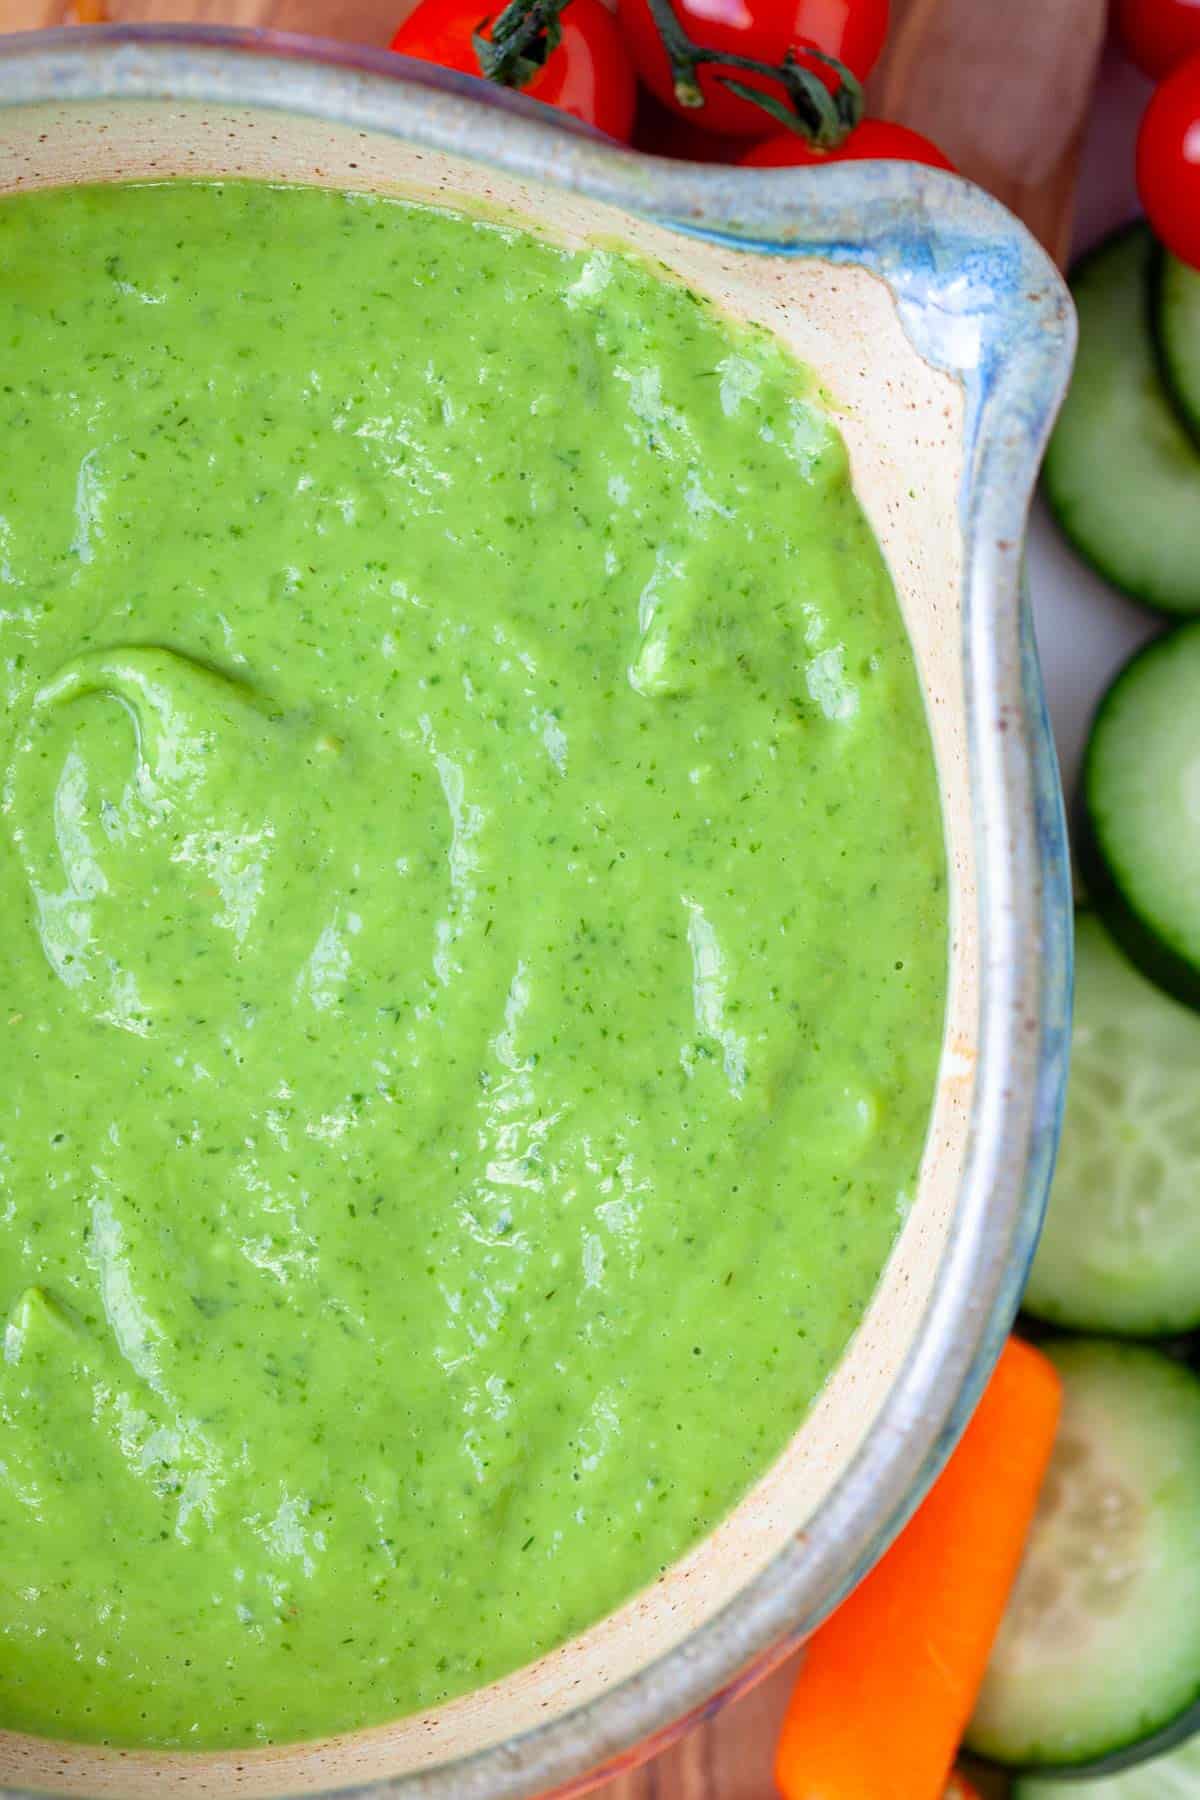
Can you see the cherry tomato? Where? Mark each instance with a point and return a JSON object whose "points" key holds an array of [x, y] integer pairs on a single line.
{"points": [[589, 74], [873, 141], [1168, 161], [658, 132], [1159, 34], [851, 30]]}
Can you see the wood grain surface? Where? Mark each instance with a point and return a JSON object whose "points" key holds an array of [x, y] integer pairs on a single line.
{"points": [[1003, 86]]}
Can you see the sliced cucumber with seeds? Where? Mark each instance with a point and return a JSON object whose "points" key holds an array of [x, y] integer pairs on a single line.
{"points": [[1139, 844], [1120, 1249], [1100, 1645], [1177, 318], [1173, 1776], [1122, 474]]}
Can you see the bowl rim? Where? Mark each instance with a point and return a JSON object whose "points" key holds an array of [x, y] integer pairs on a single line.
{"points": [[979, 298]]}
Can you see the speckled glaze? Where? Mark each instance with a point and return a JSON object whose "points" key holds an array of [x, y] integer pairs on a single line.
{"points": [[944, 337]]}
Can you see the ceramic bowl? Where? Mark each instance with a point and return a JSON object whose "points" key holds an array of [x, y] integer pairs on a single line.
{"points": [[944, 336]]}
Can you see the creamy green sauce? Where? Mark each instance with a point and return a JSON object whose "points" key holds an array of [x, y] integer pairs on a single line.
{"points": [[474, 953]]}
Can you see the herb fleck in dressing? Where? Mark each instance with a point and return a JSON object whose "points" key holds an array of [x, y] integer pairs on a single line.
{"points": [[475, 949]]}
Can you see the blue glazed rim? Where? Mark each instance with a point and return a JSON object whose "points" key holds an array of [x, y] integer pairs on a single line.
{"points": [[981, 300]]}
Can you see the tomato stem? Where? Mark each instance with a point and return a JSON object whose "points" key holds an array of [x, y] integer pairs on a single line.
{"points": [[526, 32], [822, 116], [684, 56], [521, 39]]}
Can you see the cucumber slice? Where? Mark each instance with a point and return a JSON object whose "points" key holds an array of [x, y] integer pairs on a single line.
{"points": [[1100, 1645], [1122, 475], [1140, 840], [1177, 320], [1175, 1776], [1120, 1249]]}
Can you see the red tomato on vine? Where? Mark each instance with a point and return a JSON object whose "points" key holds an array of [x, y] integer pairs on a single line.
{"points": [[587, 72], [872, 141], [1159, 34], [852, 31], [1168, 161]]}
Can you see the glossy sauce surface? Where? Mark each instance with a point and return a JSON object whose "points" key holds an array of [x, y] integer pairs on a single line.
{"points": [[475, 947]]}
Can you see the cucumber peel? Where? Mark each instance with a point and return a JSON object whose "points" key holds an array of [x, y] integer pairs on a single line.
{"points": [[1100, 1644], [1139, 842], [1122, 474], [1177, 324]]}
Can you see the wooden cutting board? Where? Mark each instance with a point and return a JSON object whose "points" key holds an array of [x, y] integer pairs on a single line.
{"points": [[1003, 86]]}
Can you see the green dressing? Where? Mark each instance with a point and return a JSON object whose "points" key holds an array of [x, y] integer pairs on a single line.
{"points": [[475, 947]]}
